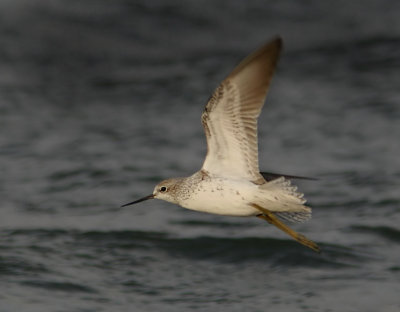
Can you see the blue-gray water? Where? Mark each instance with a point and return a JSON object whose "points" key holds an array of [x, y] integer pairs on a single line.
{"points": [[99, 100]]}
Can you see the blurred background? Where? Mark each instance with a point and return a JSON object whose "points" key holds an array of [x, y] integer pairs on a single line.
{"points": [[100, 100]]}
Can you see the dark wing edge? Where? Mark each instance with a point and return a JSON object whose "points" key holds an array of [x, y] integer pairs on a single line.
{"points": [[269, 176]]}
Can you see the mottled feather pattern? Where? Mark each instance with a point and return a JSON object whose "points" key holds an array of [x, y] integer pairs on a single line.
{"points": [[230, 116], [295, 217], [230, 136], [229, 182], [290, 190]]}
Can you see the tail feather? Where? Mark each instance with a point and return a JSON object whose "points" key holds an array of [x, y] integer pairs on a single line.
{"points": [[284, 200], [295, 217]]}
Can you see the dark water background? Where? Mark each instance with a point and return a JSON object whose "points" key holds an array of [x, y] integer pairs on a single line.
{"points": [[99, 100]]}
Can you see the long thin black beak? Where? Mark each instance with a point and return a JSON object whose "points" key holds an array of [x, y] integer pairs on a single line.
{"points": [[151, 196]]}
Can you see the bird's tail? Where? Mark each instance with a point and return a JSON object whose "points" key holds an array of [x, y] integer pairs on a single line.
{"points": [[283, 199]]}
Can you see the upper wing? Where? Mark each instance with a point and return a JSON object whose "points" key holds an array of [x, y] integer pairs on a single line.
{"points": [[230, 116]]}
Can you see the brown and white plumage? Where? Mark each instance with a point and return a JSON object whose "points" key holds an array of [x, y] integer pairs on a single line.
{"points": [[230, 116], [230, 183]]}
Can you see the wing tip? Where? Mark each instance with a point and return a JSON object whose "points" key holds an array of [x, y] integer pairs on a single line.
{"points": [[277, 39], [272, 48]]}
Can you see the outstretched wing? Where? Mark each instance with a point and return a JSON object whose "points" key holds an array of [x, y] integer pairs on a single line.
{"points": [[230, 116]]}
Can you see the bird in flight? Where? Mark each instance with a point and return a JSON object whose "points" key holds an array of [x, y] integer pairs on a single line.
{"points": [[230, 182]]}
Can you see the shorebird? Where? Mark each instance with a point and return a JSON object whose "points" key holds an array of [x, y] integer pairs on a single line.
{"points": [[230, 182]]}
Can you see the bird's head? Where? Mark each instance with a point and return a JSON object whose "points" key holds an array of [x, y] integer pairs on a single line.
{"points": [[164, 190]]}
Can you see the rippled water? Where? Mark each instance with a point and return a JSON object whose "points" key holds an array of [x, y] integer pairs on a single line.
{"points": [[100, 100]]}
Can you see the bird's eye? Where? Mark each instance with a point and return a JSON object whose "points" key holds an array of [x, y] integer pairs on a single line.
{"points": [[163, 189]]}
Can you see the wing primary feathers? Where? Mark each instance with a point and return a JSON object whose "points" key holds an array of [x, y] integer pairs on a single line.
{"points": [[269, 176], [230, 116]]}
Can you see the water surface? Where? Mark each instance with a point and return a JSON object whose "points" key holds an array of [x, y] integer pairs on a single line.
{"points": [[101, 100]]}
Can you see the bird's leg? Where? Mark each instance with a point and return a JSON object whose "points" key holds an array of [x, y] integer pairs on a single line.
{"points": [[272, 219]]}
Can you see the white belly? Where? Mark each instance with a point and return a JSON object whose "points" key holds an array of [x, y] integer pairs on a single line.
{"points": [[223, 197]]}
